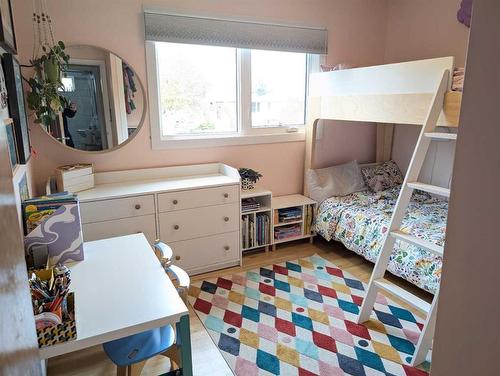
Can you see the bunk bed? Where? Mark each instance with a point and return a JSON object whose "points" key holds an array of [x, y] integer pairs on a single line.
{"points": [[387, 95]]}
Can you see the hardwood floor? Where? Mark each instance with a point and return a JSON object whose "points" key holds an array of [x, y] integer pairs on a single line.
{"points": [[207, 360]]}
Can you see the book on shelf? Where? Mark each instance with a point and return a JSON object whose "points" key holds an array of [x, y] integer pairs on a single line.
{"points": [[249, 204], [263, 229], [287, 215], [289, 231], [247, 231], [308, 219]]}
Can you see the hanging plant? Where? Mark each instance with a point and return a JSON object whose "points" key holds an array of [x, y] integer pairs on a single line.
{"points": [[45, 98], [49, 61]]}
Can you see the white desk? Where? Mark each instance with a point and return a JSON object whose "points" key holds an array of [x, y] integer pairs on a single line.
{"points": [[121, 289]]}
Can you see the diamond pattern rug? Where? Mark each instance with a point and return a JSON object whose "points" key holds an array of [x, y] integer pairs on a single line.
{"points": [[299, 318]]}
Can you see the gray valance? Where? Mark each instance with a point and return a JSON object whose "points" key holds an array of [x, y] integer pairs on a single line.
{"points": [[232, 33]]}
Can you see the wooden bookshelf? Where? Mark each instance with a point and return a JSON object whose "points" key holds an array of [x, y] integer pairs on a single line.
{"points": [[300, 224], [271, 206], [255, 233]]}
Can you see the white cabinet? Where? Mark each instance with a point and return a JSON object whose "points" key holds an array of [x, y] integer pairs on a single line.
{"points": [[194, 209], [97, 211], [119, 227], [197, 198], [195, 223], [201, 254]]}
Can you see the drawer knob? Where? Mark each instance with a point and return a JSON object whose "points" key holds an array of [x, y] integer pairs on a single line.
{"points": [[226, 219], [137, 206], [177, 258], [175, 202], [226, 195], [176, 227], [227, 248]]}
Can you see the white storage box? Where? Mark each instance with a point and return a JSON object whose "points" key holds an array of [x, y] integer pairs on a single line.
{"points": [[75, 178]]}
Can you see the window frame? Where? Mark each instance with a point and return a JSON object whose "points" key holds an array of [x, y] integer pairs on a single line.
{"points": [[246, 134]]}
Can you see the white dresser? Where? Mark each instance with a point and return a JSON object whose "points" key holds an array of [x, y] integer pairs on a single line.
{"points": [[194, 209]]}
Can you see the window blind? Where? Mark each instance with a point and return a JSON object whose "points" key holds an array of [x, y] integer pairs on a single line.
{"points": [[232, 33]]}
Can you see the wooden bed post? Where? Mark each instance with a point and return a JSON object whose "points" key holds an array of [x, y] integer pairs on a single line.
{"points": [[384, 142], [314, 115]]}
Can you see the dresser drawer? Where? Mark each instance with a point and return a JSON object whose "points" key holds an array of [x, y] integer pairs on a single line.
{"points": [[105, 210], [197, 198], [197, 255], [195, 223], [118, 227]]}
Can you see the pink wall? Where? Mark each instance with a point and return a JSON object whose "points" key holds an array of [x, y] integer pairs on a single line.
{"points": [[356, 34], [343, 141], [424, 29], [420, 30]]}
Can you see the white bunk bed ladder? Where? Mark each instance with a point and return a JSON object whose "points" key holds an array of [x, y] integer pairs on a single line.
{"points": [[377, 282]]}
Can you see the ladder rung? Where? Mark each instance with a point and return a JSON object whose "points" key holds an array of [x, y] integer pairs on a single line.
{"points": [[404, 295], [431, 247], [441, 136], [440, 191]]}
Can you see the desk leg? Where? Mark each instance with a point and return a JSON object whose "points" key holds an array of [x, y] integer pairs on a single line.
{"points": [[185, 334], [43, 364]]}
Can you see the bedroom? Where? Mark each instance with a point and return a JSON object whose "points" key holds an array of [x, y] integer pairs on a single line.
{"points": [[174, 186]]}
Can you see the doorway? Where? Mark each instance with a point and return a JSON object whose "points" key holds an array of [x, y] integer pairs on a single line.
{"points": [[85, 128]]}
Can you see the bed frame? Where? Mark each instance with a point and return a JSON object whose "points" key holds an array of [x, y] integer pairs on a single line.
{"points": [[385, 94], [416, 92]]}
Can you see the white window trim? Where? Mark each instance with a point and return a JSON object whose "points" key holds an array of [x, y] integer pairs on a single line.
{"points": [[246, 134]]}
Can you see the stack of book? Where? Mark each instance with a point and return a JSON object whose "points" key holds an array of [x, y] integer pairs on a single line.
{"points": [[247, 231], [288, 231], [52, 225], [37, 209], [249, 204], [263, 229], [308, 219], [287, 215]]}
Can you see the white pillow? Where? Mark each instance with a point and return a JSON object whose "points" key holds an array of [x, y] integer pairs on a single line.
{"points": [[340, 180]]}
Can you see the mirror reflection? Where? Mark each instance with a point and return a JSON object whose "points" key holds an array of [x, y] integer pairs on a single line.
{"points": [[107, 100]]}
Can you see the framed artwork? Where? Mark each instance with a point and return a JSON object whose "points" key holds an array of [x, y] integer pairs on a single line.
{"points": [[4, 104], [11, 141], [7, 34], [17, 110], [24, 192]]}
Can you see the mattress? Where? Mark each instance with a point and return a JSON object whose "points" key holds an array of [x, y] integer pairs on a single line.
{"points": [[361, 219]]}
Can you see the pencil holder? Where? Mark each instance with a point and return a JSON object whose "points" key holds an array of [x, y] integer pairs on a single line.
{"points": [[66, 331]]}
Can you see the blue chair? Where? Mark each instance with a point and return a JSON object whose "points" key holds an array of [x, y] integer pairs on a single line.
{"points": [[131, 353]]}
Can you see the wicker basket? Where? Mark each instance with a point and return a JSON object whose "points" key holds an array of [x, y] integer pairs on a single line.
{"points": [[247, 184]]}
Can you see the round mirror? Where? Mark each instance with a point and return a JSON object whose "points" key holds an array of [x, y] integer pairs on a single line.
{"points": [[106, 102]]}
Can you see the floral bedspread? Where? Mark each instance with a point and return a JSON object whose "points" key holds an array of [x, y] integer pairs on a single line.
{"points": [[361, 219]]}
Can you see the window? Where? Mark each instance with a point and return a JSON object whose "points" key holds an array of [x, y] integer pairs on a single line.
{"points": [[68, 84], [197, 86], [209, 95], [278, 88]]}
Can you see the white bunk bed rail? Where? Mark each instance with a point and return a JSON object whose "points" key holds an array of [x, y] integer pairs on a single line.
{"points": [[392, 93]]}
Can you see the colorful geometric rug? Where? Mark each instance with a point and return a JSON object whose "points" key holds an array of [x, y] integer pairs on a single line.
{"points": [[299, 318]]}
